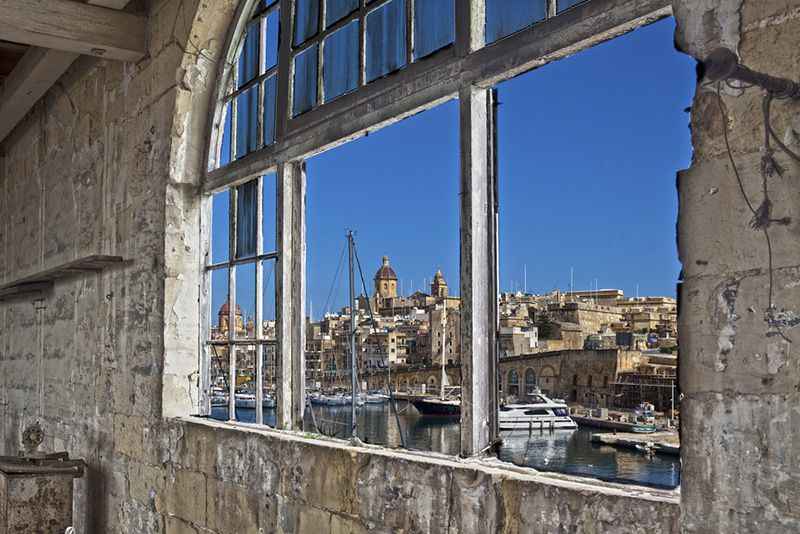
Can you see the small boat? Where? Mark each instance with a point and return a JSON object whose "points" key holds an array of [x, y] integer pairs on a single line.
{"points": [[375, 398], [541, 413], [645, 419], [245, 401], [434, 406]]}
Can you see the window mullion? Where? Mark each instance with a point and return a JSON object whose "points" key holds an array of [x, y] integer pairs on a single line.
{"points": [[204, 407], [478, 273], [284, 96], [232, 305], [409, 32], [259, 334], [470, 26]]}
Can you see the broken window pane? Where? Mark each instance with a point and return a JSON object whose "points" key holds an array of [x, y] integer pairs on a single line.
{"points": [[227, 125], [386, 39], [271, 35], [434, 26], [247, 68], [336, 10], [218, 326], [246, 219], [306, 20], [566, 4], [268, 222], [268, 301], [246, 123], [270, 97], [504, 17], [245, 301], [220, 225], [305, 80], [340, 62]]}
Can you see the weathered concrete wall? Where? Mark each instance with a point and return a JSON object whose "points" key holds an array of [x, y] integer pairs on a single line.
{"points": [[739, 373], [235, 483]]}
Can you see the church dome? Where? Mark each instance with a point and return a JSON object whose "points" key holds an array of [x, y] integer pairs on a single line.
{"points": [[385, 272], [439, 277], [226, 308]]}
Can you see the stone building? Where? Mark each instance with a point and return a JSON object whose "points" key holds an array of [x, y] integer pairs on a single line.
{"points": [[110, 148], [586, 377]]}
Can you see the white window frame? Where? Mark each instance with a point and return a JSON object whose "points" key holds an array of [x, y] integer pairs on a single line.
{"points": [[467, 71]]}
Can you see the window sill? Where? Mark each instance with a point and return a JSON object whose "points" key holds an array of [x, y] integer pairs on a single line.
{"points": [[488, 466]]}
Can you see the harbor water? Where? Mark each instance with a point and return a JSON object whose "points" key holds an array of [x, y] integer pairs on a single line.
{"points": [[563, 451]]}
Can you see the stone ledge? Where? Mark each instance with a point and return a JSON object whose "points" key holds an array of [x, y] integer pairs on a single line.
{"points": [[487, 465]]}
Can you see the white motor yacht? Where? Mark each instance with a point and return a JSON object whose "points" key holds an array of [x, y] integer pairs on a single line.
{"points": [[540, 413]]}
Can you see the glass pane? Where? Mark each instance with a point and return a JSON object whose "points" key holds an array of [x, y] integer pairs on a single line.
{"points": [[386, 39], [227, 128], [247, 67], [220, 383], [340, 62], [434, 26], [268, 221], [219, 305], [271, 37], [270, 97], [268, 316], [566, 4], [336, 10], [246, 219], [305, 81], [504, 17], [245, 301], [246, 122], [306, 21], [246, 383], [270, 374], [268, 3], [220, 226]]}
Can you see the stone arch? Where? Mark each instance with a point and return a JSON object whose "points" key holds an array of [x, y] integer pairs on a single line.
{"points": [[513, 383], [530, 381], [204, 32]]}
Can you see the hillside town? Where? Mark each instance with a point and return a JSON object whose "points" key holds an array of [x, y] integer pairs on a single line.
{"points": [[593, 348]]}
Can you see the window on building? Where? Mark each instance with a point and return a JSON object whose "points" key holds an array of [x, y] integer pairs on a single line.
{"points": [[249, 91], [568, 269], [288, 154], [240, 342], [361, 187]]}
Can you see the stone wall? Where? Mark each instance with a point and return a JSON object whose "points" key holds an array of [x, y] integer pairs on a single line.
{"points": [[739, 371], [109, 162]]}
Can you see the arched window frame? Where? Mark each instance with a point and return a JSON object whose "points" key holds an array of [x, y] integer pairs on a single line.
{"points": [[466, 70]]}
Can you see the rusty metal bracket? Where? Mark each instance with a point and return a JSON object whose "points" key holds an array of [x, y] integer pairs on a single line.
{"points": [[722, 64]]}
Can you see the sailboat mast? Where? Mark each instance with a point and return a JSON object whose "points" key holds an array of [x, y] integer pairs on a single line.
{"points": [[444, 342], [353, 364]]}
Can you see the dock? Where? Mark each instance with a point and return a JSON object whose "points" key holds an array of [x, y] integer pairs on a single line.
{"points": [[607, 424], [659, 442]]}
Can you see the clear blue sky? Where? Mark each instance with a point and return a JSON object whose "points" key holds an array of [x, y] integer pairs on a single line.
{"points": [[589, 148]]}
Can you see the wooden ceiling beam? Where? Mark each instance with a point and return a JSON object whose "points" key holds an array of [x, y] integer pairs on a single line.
{"points": [[74, 27], [35, 73]]}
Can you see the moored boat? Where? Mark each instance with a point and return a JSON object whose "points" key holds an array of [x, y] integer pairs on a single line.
{"points": [[434, 406], [541, 413]]}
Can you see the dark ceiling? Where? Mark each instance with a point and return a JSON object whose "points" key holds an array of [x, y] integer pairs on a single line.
{"points": [[10, 54]]}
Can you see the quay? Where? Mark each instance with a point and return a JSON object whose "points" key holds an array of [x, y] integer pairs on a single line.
{"points": [[607, 424], [659, 442]]}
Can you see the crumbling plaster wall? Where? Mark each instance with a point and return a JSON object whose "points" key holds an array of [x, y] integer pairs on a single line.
{"points": [[740, 370]]}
